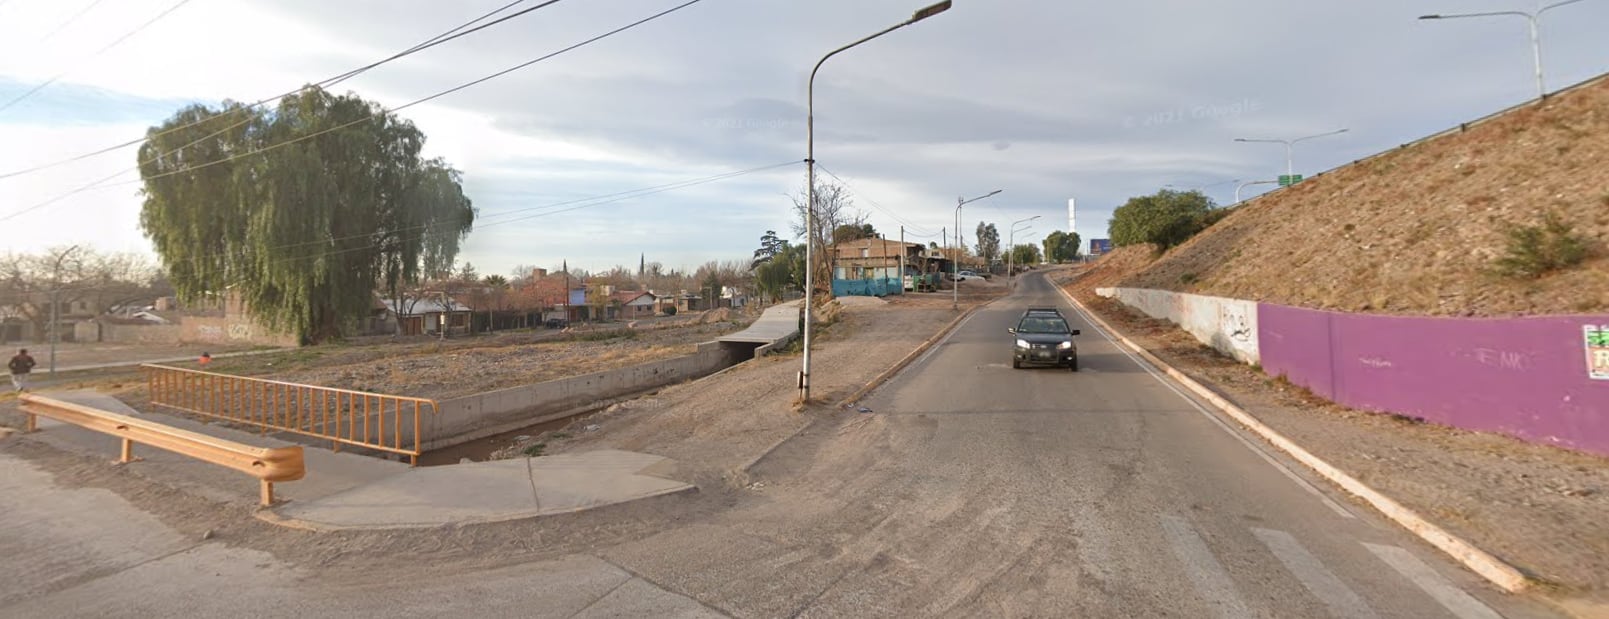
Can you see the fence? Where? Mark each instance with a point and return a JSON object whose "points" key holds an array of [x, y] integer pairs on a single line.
{"points": [[385, 423]]}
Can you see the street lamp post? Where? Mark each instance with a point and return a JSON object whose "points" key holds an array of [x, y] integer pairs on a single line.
{"points": [[1534, 20], [55, 306], [955, 260], [1011, 251], [1290, 167], [810, 180], [1248, 184]]}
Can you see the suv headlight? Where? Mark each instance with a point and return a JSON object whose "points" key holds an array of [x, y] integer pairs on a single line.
{"points": [[1066, 345], [1022, 343]]}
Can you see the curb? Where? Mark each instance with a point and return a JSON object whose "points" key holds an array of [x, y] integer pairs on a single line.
{"points": [[875, 382], [1499, 573], [777, 445], [268, 515], [914, 354]]}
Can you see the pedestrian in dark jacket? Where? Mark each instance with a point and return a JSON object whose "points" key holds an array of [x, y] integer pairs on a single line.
{"points": [[20, 366]]}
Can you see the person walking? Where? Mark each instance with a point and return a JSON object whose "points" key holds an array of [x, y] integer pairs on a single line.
{"points": [[20, 366]]}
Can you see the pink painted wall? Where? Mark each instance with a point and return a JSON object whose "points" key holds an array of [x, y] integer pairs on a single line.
{"points": [[1525, 377]]}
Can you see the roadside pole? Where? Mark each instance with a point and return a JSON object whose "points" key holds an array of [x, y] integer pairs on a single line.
{"points": [[902, 259]]}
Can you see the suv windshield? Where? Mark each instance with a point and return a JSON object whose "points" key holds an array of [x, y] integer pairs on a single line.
{"points": [[1042, 324]]}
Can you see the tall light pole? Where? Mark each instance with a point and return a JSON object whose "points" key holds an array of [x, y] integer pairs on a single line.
{"points": [[810, 180], [1290, 167], [1248, 184], [55, 306], [1534, 20], [1011, 253], [955, 260]]}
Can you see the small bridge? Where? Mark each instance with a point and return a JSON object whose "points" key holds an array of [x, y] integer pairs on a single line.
{"points": [[776, 327]]}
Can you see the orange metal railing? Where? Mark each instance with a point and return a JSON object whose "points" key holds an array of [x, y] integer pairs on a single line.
{"points": [[387, 423]]}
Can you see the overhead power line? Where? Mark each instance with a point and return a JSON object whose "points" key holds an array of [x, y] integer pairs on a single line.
{"points": [[439, 39], [30, 92], [102, 182], [921, 231], [63, 26]]}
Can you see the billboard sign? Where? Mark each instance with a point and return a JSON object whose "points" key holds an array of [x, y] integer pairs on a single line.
{"points": [[1100, 246]]}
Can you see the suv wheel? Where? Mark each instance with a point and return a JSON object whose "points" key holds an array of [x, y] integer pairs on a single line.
{"points": [[1074, 364], [1015, 364]]}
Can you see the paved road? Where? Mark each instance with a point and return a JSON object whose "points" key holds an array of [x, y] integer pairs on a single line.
{"points": [[971, 490]]}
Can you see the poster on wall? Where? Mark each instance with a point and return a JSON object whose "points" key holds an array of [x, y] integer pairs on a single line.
{"points": [[1597, 344]]}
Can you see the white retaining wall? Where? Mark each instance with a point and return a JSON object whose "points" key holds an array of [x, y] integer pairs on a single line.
{"points": [[1228, 325]]}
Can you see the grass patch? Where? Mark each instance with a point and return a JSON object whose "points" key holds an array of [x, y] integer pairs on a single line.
{"points": [[559, 436], [1188, 278], [535, 450], [1534, 251]]}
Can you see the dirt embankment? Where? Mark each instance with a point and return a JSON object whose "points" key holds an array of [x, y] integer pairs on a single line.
{"points": [[1416, 230]]}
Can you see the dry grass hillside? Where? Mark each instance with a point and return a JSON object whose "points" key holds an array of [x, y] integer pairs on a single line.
{"points": [[1416, 231]]}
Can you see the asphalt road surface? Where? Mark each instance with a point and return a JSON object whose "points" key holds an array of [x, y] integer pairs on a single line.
{"points": [[969, 490], [974, 489]]}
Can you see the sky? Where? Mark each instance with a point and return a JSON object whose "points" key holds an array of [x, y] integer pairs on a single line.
{"points": [[1046, 100]]}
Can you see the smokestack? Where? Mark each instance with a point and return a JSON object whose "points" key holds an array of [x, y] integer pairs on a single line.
{"points": [[1072, 217]]}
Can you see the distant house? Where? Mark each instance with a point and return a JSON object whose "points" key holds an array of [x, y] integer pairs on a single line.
{"points": [[558, 297], [871, 267], [428, 315], [633, 305]]}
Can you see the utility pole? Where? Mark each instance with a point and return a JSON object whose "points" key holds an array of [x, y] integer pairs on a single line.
{"points": [[902, 259], [55, 306]]}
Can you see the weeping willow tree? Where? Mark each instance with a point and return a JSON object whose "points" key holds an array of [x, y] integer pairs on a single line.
{"points": [[304, 231]]}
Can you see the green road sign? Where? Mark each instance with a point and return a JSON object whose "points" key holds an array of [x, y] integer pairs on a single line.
{"points": [[1286, 180]]}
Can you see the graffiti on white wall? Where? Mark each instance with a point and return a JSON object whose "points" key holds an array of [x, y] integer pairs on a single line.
{"points": [[209, 332], [239, 331], [1228, 325]]}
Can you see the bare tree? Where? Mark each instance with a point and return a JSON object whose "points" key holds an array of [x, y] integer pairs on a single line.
{"points": [[74, 277], [833, 208]]}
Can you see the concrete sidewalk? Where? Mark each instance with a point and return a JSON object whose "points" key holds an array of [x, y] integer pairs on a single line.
{"points": [[350, 491], [481, 492]]}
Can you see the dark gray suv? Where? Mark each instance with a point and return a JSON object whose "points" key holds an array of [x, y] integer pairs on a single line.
{"points": [[1042, 337]]}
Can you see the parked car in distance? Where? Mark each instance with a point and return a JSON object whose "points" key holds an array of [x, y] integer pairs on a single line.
{"points": [[556, 323], [966, 275], [1042, 337]]}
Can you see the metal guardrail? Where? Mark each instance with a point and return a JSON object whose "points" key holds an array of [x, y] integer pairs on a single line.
{"points": [[386, 423], [268, 465]]}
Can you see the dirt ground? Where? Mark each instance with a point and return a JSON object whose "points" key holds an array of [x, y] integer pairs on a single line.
{"points": [[76, 354], [429, 368], [717, 425], [1415, 230], [1543, 509], [713, 426]]}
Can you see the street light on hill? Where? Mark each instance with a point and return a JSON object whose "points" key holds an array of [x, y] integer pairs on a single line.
{"points": [[1532, 18], [810, 180], [1290, 167], [1248, 184]]}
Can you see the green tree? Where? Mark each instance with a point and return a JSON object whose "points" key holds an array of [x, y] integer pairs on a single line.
{"points": [[305, 230], [988, 242], [1061, 246], [1166, 218], [853, 232], [770, 246], [782, 274], [1026, 253]]}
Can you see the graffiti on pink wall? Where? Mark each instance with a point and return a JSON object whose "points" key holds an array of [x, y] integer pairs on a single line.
{"points": [[1543, 379]]}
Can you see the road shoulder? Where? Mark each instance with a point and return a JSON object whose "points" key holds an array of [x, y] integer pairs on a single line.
{"points": [[1535, 507]]}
